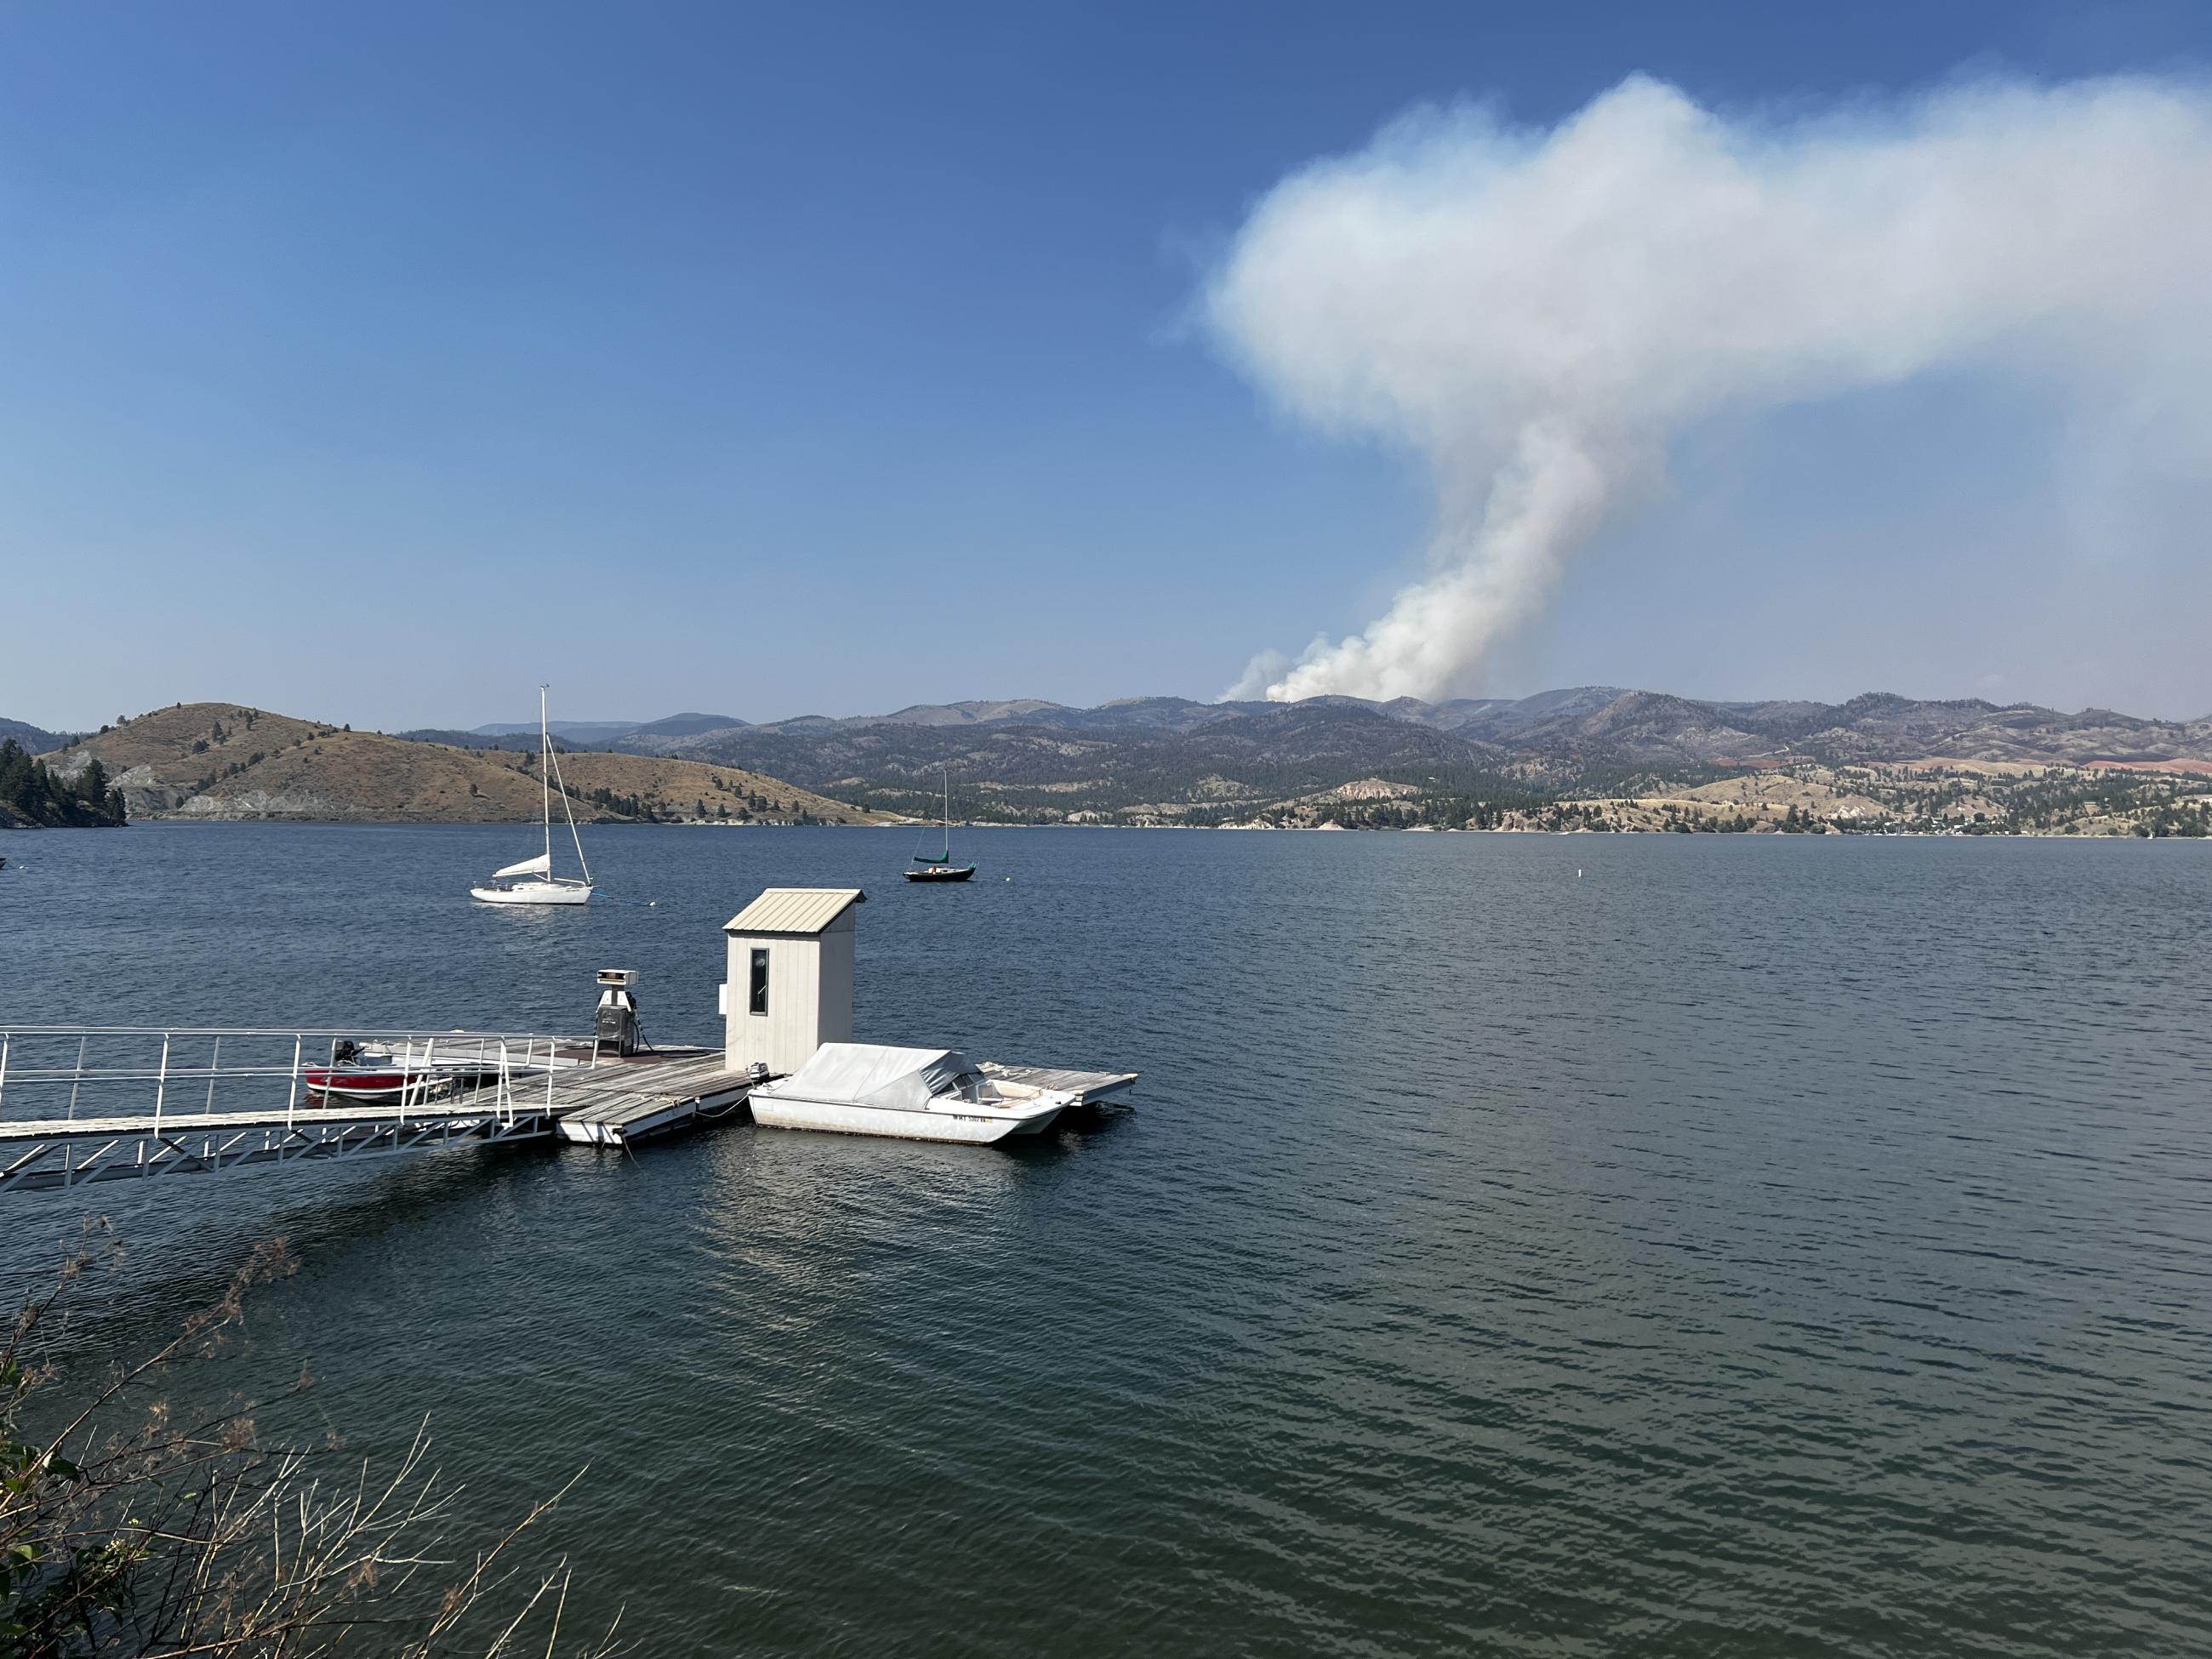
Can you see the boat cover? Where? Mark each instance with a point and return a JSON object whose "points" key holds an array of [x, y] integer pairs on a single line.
{"points": [[540, 865], [867, 1074]]}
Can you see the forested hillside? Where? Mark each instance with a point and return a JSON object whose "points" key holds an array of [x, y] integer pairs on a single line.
{"points": [[34, 739], [32, 797]]}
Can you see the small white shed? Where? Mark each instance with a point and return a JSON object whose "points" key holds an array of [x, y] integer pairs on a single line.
{"points": [[790, 984]]}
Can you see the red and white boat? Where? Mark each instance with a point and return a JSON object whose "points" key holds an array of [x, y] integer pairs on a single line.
{"points": [[380, 1082], [373, 1072]]}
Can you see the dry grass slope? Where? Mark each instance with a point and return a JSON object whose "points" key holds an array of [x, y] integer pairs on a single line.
{"points": [[227, 761]]}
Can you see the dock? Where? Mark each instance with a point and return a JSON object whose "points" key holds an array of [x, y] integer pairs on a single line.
{"points": [[81, 1104], [1090, 1087], [621, 1101], [40, 1154]]}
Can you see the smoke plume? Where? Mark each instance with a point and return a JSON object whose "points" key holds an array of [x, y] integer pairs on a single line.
{"points": [[1540, 314]]}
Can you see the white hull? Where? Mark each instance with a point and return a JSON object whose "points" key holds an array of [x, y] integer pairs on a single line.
{"points": [[947, 1122], [535, 892]]}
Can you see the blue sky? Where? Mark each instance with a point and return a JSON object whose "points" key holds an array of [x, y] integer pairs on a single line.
{"points": [[377, 362]]}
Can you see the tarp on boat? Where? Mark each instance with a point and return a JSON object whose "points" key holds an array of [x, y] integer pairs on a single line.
{"points": [[868, 1074], [540, 865]]}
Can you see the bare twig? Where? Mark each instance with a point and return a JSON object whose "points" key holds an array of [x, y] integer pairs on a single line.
{"points": [[176, 1538]]}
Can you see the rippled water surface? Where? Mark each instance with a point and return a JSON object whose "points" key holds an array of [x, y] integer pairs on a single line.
{"points": [[1519, 1245]]}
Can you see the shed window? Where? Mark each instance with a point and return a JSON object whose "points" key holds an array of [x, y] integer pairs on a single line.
{"points": [[759, 1002]]}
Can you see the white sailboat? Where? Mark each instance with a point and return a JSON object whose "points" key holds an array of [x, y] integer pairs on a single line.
{"points": [[533, 880]]}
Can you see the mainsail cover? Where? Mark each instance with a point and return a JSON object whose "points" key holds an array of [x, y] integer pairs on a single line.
{"points": [[540, 865]]}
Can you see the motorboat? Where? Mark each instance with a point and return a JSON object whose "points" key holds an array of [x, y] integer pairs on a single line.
{"points": [[913, 1094], [388, 1072], [531, 880], [434, 1068], [374, 1082]]}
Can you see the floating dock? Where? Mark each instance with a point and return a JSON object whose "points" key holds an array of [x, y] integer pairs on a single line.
{"points": [[82, 1104], [620, 1100], [1089, 1087], [79, 1104], [40, 1154]]}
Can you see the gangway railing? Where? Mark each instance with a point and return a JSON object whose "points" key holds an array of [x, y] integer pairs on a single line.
{"points": [[83, 1103]]}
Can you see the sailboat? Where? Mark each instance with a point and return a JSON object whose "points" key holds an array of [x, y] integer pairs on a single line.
{"points": [[938, 866], [533, 880]]}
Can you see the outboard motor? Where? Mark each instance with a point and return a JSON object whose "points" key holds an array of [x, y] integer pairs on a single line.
{"points": [[615, 1030]]}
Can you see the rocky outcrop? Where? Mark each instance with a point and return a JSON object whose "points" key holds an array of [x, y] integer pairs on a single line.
{"points": [[261, 804], [144, 792]]}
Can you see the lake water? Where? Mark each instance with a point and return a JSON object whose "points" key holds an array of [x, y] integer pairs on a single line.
{"points": [[1519, 1245]]}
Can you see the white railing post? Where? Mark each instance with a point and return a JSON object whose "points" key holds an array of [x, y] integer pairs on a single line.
{"points": [[76, 1078], [421, 1082], [292, 1094], [162, 1084], [214, 1061], [5, 1039]]}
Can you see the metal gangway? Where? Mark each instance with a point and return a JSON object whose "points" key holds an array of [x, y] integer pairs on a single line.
{"points": [[82, 1103]]}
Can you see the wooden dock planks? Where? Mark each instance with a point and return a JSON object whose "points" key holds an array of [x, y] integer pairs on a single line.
{"points": [[616, 1102], [1091, 1086]]}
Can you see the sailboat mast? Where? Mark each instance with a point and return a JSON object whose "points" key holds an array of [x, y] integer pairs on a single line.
{"points": [[545, 777], [555, 781], [948, 814]]}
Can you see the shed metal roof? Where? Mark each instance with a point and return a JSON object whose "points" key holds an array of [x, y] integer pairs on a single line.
{"points": [[795, 910]]}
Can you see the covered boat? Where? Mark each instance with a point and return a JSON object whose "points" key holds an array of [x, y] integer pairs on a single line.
{"points": [[916, 1094]]}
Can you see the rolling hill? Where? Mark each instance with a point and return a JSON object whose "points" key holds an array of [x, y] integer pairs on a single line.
{"points": [[225, 761], [1659, 759], [32, 739], [1173, 759]]}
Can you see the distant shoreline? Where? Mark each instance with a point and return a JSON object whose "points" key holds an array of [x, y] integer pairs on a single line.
{"points": [[173, 820]]}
